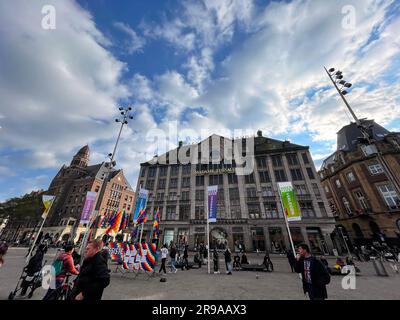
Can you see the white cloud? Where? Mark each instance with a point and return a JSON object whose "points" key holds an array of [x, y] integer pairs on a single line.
{"points": [[135, 42]]}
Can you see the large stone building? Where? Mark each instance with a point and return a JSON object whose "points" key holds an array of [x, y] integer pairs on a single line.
{"points": [[249, 209], [365, 203], [70, 187]]}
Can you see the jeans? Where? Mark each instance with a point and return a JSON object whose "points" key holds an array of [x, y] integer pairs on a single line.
{"points": [[173, 268]]}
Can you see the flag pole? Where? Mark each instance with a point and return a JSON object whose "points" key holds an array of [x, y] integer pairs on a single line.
{"points": [[208, 242], [40, 229]]}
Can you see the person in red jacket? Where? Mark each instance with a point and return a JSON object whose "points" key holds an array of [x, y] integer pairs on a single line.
{"points": [[68, 267]]}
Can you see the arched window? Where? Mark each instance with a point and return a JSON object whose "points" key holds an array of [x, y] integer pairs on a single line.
{"points": [[374, 227], [357, 230]]}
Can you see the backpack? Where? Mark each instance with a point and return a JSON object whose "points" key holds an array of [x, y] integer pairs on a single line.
{"points": [[326, 277], [58, 266]]}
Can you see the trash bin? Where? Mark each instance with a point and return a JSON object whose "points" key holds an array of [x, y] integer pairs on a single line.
{"points": [[379, 268]]}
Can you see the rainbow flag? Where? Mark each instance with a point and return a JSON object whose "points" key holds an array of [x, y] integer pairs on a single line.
{"points": [[156, 224], [124, 221], [115, 224], [142, 218]]}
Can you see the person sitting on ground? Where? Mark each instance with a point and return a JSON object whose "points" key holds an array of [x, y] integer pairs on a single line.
{"points": [[339, 264]]}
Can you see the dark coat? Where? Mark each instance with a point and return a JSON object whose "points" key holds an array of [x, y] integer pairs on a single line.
{"points": [[94, 276], [35, 263], [319, 277], [228, 257]]}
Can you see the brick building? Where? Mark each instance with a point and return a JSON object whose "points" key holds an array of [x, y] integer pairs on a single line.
{"points": [[365, 204]]}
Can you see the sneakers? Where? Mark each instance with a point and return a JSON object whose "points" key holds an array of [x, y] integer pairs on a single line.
{"points": [[176, 270]]}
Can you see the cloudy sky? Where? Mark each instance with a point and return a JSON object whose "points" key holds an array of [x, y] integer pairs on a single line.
{"points": [[211, 65]]}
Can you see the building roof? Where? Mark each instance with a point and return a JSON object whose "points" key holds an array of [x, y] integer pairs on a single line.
{"points": [[261, 144], [347, 136]]}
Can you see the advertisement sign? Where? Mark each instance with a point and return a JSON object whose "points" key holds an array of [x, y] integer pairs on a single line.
{"points": [[289, 202], [88, 207], [212, 203], [141, 203]]}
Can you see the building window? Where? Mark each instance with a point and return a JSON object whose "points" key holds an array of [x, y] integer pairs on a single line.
{"points": [[163, 171], [390, 196], [361, 200], [173, 183], [276, 161], [254, 210], [215, 180], [310, 173], [280, 175], [301, 189], [307, 209], [185, 195], [199, 195], [346, 205], [172, 196], [186, 182], [174, 170], [249, 178], [199, 213], [296, 174], [350, 177], [264, 177], [150, 184], [152, 172], [267, 191], [305, 158], [292, 159], [199, 181], [271, 209], [186, 169], [160, 196], [161, 184], [233, 194], [251, 193], [232, 178], [316, 189], [184, 213], [143, 172], [171, 210], [375, 169], [262, 162], [338, 184]]}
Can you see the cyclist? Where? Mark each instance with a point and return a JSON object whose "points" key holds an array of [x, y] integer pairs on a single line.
{"points": [[68, 267]]}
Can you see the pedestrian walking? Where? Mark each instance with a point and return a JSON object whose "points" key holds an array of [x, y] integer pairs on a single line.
{"points": [[66, 263], [185, 258], [164, 254], [3, 251], [228, 260], [216, 261], [315, 276], [268, 263], [172, 255], [291, 259], [94, 275]]}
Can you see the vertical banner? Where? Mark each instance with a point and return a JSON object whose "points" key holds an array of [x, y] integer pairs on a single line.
{"points": [[289, 202], [212, 203], [47, 201], [141, 203], [88, 207]]}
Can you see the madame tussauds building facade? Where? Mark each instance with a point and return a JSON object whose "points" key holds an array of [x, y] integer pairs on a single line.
{"points": [[249, 212]]}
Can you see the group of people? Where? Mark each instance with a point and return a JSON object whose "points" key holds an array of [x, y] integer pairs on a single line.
{"points": [[93, 276]]}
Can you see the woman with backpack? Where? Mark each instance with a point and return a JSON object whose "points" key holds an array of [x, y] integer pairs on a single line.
{"points": [[62, 265]]}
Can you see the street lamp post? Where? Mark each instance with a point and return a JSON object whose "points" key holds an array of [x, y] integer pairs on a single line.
{"points": [[123, 120], [344, 239], [367, 139]]}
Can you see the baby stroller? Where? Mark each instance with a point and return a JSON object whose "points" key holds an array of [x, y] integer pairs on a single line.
{"points": [[31, 276]]}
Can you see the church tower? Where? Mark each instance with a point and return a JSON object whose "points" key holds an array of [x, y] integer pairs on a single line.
{"points": [[81, 159]]}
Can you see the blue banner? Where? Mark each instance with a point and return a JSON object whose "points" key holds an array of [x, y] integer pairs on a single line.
{"points": [[141, 203], [212, 203]]}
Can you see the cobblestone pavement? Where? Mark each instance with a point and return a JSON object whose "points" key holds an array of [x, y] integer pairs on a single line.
{"points": [[196, 284]]}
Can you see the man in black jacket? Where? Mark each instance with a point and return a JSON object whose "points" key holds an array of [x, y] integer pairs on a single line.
{"points": [[94, 275], [314, 275]]}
